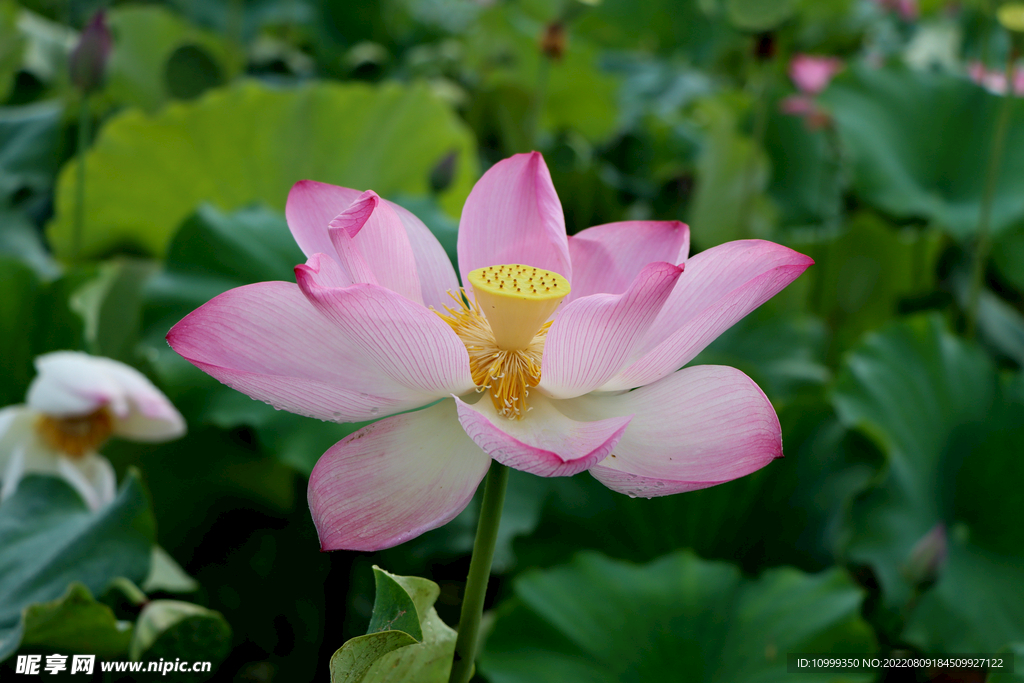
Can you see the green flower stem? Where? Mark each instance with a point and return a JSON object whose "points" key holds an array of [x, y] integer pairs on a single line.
{"points": [[479, 573], [995, 157], [84, 125]]}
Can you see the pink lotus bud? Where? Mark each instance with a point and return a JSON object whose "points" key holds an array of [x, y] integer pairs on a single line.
{"points": [[928, 556], [89, 58], [812, 74]]}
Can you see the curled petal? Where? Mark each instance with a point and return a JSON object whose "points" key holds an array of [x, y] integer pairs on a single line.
{"points": [[312, 206], [267, 341], [395, 479], [698, 427], [369, 235], [607, 258], [513, 215], [719, 287], [545, 442], [71, 383], [592, 338], [404, 341]]}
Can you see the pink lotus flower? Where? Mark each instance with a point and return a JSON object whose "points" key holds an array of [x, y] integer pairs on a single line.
{"points": [[811, 75], [376, 325]]}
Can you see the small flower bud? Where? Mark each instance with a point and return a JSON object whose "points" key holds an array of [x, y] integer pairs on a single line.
{"points": [[553, 40], [88, 60], [927, 557], [443, 173]]}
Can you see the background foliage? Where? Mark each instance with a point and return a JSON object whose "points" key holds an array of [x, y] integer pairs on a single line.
{"points": [[894, 523]]}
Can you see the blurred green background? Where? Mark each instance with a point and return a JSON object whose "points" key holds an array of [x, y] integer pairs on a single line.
{"points": [[895, 524]]}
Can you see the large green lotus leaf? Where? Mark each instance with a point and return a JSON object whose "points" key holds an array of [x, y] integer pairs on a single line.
{"points": [[29, 147], [861, 276], [759, 15], [804, 172], [75, 622], [20, 240], [150, 41], [406, 641], [919, 146], [732, 174], [49, 539], [250, 143], [577, 95], [24, 333], [170, 629], [665, 26], [678, 618], [211, 253], [953, 438]]}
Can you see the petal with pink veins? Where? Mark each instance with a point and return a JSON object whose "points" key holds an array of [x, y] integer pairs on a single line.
{"points": [[592, 338], [394, 480], [513, 215], [719, 287], [267, 341], [403, 341], [698, 427], [312, 206], [545, 442], [326, 270], [606, 258], [369, 236]]}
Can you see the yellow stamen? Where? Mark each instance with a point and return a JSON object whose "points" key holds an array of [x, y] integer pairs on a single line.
{"points": [[506, 364], [78, 435]]}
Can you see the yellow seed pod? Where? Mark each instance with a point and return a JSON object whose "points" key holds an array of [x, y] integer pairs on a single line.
{"points": [[517, 300]]}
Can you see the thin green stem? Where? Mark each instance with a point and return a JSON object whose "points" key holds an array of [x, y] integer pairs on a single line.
{"points": [[84, 125], [984, 240], [479, 573]]}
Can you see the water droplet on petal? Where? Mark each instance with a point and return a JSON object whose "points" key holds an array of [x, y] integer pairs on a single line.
{"points": [[374, 411]]}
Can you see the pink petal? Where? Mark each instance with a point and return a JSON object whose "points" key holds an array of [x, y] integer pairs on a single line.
{"points": [[267, 341], [719, 287], [312, 206], [327, 271], [606, 258], [593, 337], [545, 442], [371, 228], [513, 216], [812, 74], [698, 427], [395, 479], [401, 340]]}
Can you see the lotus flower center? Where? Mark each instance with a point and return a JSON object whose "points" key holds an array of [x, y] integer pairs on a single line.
{"points": [[76, 435], [504, 328]]}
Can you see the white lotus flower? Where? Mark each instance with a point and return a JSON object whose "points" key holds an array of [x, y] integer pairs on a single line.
{"points": [[75, 403]]}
